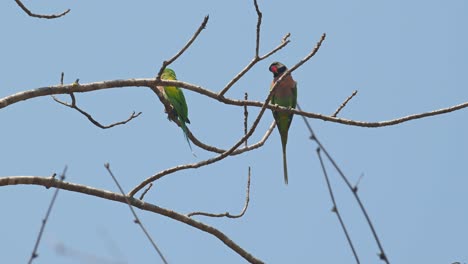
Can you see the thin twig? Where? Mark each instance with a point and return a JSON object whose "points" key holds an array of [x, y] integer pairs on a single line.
{"points": [[112, 196], [256, 58], [145, 191], [259, 23], [313, 136], [242, 140], [246, 116], [227, 214], [90, 118], [187, 45], [284, 41], [335, 207], [44, 221], [137, 220], [237, 151], [31, 14], [344, 103]]}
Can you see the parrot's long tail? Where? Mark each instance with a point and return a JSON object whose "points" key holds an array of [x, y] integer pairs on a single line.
{"points": [[285, 166], [185, 130]]}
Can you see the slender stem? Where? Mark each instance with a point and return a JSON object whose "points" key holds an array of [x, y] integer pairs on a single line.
{"points": [[44, 221], [137, 220], [335, 207], [313, 136]]}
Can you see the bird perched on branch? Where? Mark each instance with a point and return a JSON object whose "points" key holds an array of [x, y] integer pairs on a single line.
{"points": [[285, 94], [176, 97]]}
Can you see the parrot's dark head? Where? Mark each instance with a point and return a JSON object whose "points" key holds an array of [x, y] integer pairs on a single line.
{"points": [[277, 68]]}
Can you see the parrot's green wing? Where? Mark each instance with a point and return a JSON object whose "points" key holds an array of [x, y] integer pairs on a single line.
{"points": [[177, 99]]}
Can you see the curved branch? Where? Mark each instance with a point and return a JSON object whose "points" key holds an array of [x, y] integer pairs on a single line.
{"points": [[237, 151], [74, 187], [31, 14], [90, 118], [227, 214]]}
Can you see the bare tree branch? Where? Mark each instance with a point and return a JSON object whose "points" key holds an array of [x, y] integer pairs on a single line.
{"points": [[227, 214], [192, 39], [256, 58], [48, 181], [146, 191], [335, 207], [344, 103], [90, 118], [242, 140], [246, 116], [237, 151], [137, 220], [313, 137], [150, 82], [49, 209], [259, 24], [31, 14]]}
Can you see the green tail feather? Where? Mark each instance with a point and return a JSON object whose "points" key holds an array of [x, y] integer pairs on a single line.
{"points": [[185, 131], [285, 166]]}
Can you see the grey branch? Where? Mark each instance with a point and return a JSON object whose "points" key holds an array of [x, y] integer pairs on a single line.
{"points": [[335, 207], [48, 181], [151, 82], [313, 136], [344, 103], [240, 142], [192, 39], [256, 58], [31, 14], [90, 118], [49, 209], [227, 214], [137, 220]]}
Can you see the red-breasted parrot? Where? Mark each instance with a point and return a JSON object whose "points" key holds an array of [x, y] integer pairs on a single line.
{"points": [[177, 99], [285, 94]]}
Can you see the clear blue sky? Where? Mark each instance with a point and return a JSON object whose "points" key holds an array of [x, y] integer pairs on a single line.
{"points": [[403, 57]]}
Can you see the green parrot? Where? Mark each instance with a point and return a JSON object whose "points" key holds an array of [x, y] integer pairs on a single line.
{"points": [[177, 99], [285, 95]]}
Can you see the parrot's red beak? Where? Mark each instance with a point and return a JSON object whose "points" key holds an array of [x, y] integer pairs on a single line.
{"points": [[274, 69]]}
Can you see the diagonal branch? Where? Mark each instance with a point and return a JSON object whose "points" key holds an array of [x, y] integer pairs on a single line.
{"points": [[227, 214], [187, 45], [112, 196], [344, 103], [335, 207], [31, 14], [313, 136], [256, 58], [137, 220], [242, 140], [49, 209], [90, 118]]}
